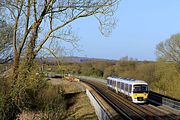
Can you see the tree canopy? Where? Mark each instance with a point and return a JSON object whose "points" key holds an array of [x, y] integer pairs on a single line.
{"points": [[37, 21], [169, 49]]}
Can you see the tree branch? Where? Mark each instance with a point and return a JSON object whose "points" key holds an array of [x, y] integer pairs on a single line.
{"points": [[26, 27], [16, 26], [61, 26]]}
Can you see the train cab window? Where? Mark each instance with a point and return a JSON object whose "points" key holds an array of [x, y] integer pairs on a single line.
{"points": [[126, 87], [144, 88], [140, 88]]}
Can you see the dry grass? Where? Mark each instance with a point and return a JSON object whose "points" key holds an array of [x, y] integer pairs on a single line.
{"points": [[69, 87], [78, 104], [81, 109], [29, 116]]}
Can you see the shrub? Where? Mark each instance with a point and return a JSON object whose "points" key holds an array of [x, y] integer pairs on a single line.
{"points": [[8, 111], [30, 92], [52, 103]]}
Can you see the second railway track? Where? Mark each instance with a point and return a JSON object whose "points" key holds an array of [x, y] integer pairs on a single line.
{"points": [[126, 108]]}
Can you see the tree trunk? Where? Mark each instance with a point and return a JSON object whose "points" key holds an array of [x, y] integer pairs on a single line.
{"points": [[30, 55], [15, 65]]}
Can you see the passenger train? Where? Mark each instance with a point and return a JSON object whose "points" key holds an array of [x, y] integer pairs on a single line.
{"points": [[135, 90]]}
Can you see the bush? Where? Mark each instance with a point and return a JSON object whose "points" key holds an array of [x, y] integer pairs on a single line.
{"points": [[33, 93], [30, 92], [52, 103], [8, 110], [167, 79]]}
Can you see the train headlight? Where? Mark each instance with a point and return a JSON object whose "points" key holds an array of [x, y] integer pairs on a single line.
{"points": [[145, 95]]}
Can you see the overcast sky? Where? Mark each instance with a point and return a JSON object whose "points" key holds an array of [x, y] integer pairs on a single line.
{"points": [[142, 24]]}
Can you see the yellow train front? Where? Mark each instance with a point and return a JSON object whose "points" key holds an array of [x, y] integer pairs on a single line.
{"points": [[136, 90]]}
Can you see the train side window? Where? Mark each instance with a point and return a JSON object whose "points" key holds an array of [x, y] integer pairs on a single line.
{"points": [[118, 84], [122, 86], [126, 87]]}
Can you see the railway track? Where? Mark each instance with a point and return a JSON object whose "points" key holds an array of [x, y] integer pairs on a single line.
{"points": [[126, 108]]}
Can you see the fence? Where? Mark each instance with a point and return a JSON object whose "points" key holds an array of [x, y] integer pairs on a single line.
{"points": [[164, 100], [100, 112]]}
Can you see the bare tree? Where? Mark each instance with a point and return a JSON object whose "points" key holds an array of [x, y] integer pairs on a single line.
{"points": [[169, 50], [38, 21]]}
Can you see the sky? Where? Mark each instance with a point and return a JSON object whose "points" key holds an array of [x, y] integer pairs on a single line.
{"points": [[142, 24]]}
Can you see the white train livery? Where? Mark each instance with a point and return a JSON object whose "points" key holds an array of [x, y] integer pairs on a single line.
{"points": [[136, 90]]}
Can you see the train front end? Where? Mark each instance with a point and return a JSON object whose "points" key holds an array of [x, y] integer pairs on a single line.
{"points": [[140, 93]]}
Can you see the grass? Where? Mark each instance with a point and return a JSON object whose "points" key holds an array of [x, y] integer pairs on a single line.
{"points": [[73, 105], [81, 108]]}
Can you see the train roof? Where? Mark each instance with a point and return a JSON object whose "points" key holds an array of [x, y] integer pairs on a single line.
{"points": [[127, 80]]}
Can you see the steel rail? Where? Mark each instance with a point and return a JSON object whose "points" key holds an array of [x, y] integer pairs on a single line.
{"points": [[115, 105]]}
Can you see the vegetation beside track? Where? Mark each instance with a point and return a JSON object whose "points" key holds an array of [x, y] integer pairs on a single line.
{"points": [[77, 104], [162, 77], [41, 98]]}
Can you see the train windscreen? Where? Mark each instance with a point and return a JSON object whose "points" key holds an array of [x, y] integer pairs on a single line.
{"points": [[140, 88]]}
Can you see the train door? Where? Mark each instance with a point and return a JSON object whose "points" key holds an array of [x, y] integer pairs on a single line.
{"points": [[126, 89], [129, 90], [122, 87], [116, 86], [110, 81], [113, 84]]}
